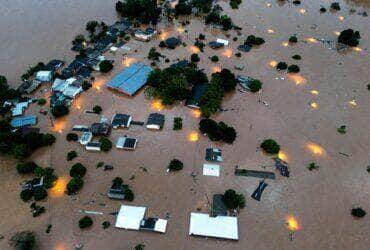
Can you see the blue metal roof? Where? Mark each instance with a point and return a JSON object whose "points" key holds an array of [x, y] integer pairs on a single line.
{"points": [[19, 122], [131, 79]]}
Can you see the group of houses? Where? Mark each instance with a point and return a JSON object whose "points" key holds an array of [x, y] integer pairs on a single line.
{"points": [[104, 127]]}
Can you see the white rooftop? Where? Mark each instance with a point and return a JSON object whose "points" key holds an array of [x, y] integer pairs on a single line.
{"points": [[219, 227], [223, 41], [211, 169], [129, 217], [160, 226]]}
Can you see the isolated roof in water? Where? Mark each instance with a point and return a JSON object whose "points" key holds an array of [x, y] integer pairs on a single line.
{"points": [[131, 79], [29, 120], [156, 119], [225, 227], [195, 95], [129, 217]]}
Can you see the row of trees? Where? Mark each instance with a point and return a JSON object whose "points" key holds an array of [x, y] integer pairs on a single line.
{"points": [[139, 11], [77, 172], [217, 131]]}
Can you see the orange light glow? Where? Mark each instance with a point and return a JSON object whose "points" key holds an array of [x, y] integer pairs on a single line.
{"points": [[193, 136], [60, 246], [128, 61], [314, 92], [59, 125], [337, 33], [173, 4], [216, 69], [163, 36], [297, 79], [180, 30], [194, 49], [357, 49], [268, 5], [59, 187], [312, 40], [341, 18], [157, 105], [273, 63], [302, 11], [292, 223], [353, 102], [283, 156], [227, 53], [314, 105], [270, 31], [77, 103], [285, 44], [98, 83], [315, 149], [196, 113]]}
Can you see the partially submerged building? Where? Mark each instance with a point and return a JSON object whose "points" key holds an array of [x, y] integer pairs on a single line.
{"points": [[132, 217], [195, 96], [131, 79], [145, 35], [126, 143], [172, 42], [121, 120], [85, 138], [44, 76], [100, 129], [33, 184], [117, 192], [225, 227], [93, 146], [155, 121], [19, 122], [213, 155]]}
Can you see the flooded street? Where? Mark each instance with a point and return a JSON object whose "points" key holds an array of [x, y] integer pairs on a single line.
{"points": [[308, 210], [40, 30]]}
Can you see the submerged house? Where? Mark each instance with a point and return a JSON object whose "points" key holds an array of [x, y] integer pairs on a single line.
{"points": [[121, 120], [126, 143], [93, 146], [131, 79], [214, 155], [117, 192], [44, 76], [70, 88], [145, 35], [33, 184], [19, 122], [195, 96], [155, 121], [172, 42], [100, 129]]}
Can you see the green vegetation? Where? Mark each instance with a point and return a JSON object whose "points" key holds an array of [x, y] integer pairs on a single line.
{"points": [[5, 91], [233, 200], [74, 185], [106, 144], [234, 4], [60, 110], [174, 84], [297, 57], [32, 70], [368, 86], [97, 109], [322, 9], [41, 101], [293, 39], [358, 212], [349, 37], [200, 45], [175, 165], [105, 66], [281, 66], [183, 8], [201, 36], [254, 41], [72, 137], [85, 222], [217, 131], [39, 194], [86, 85], [26, 167], [270, 146], [26, 195], [255, 85], [154, 54], [368, 169], [177, 123], [139, 247], [71, 155], [106, 224], [215, 17], [214, 58], [139, 11], [25, 240], [77, 170], [342, 129], [313, 166], [194, 58], [293, 69], [335, 6]]}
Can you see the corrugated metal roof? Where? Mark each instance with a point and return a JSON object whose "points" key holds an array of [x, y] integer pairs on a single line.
{"points": [[131, 79], [24, 121]]}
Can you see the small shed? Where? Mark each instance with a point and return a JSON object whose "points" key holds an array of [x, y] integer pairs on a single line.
{"points": [[211, 169], [93, 146], [215, 45], [85, 138], [44, 76], [130, 217], [117, 192], [155, 121], [172, 42], [223, 41]]}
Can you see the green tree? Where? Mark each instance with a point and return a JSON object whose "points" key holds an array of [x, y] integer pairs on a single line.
{"points": [[106, 144], [74, 185], [105, 66], [233, 200], [142, 11], [85, 222], [59, 110], [270, 146], [97, 109], [91, 27], [175, 165], [77, 170]]}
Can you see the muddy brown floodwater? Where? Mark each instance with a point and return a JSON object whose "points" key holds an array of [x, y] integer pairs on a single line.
{"points": [[309, 210]]}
